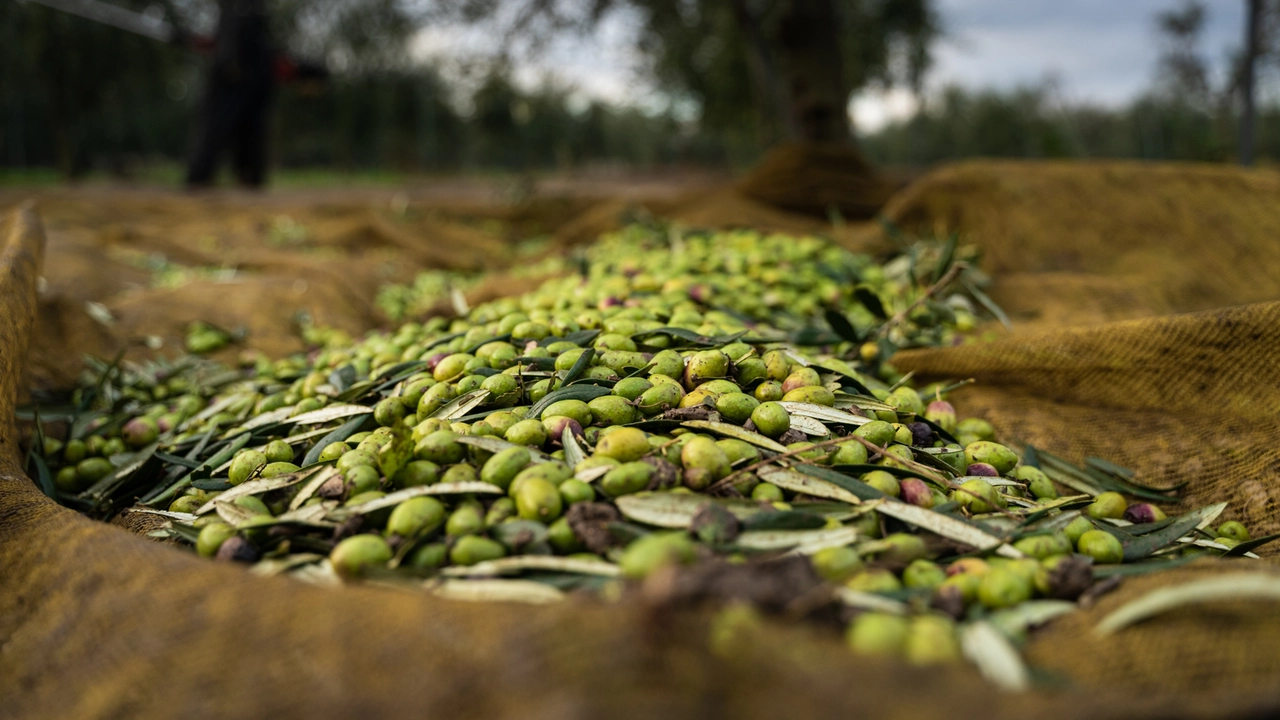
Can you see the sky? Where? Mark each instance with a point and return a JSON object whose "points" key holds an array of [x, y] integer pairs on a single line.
{"points": [[1097, 51]]}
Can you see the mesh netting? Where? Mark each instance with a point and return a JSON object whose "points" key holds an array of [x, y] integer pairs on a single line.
{"points": [[96, 622]]}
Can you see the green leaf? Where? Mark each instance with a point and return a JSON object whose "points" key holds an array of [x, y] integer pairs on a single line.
{"points": [[995, 657], [227, 452], [862, 468], [837, 477], [689, 336], [1142, 547], [841, 326], [784, 520], [737, 433], [1250, 546], [945, 260], [1102, 572], [580, 365], [1231, 587], [538, 363], [871, 301], [986, 302], [585, 393], [177, 460], [104, 487], [461, 405], [582, 338], [343, 431], [343, 377], [811, 484], [43, 479]]}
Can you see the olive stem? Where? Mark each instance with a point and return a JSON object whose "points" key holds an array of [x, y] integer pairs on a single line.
{"points": [[944, 281], [728, 479]]}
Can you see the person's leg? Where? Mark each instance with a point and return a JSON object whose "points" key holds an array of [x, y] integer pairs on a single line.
{"points": [[213, 129], [251, 141]]}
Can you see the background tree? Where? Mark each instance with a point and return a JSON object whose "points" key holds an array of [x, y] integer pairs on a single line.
{"points": [[782, 69]]}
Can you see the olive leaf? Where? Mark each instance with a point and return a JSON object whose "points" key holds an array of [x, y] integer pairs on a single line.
{"points": [[399, 371], [340, 434], [580, 365], [871, 301], [525, 591], [809, 426], [994, 656], [822, 413], [841, 326], [1066, 474], [673, 510], [945, 259], [520, 563], [1143, 567], [1232, 587], [787, 539], [101, 489], [234, 515], [585, 393], [863, 468], [44, 480], [461, 405], [572, 450], [276, 566], [784, 520], [835, 476], [581, 338], [871, 601], [537, 363], [176, 460], [1137, 548], [985, 301], [313, 484], [399, 496], [328, 414], [496, 445], [254, 487], [690, 336], [836, 537], [807, 484], [948, 527], [180, 516], [1250, 545], [738, 433], [343, 377], [1017, 620]]}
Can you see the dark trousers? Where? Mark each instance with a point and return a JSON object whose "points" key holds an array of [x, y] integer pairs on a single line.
{"points": [[233, 118]]}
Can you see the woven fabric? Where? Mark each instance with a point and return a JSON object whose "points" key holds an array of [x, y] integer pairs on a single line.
{"points": [[98, 623]]}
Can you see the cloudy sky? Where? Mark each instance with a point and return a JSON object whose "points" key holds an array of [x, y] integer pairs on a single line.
{"points": [[1101, 51]]}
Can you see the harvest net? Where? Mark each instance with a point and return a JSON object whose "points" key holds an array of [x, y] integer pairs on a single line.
{"points": [[96, 622]]}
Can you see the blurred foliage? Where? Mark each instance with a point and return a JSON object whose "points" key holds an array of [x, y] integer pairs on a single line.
{"points": [[702, 51], [81, 96], [1186, 114], [1033, 123]]}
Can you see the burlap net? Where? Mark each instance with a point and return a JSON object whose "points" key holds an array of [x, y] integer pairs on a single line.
{"points": [[95, 622]]}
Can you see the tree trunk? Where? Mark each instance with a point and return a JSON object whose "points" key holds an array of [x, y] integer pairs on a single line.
{"points": [[1252, 43], [764, 72], [812, 66]]}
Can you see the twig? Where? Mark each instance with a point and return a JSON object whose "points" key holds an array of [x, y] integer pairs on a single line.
{"points": [[729, 479], [944, 281]]}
